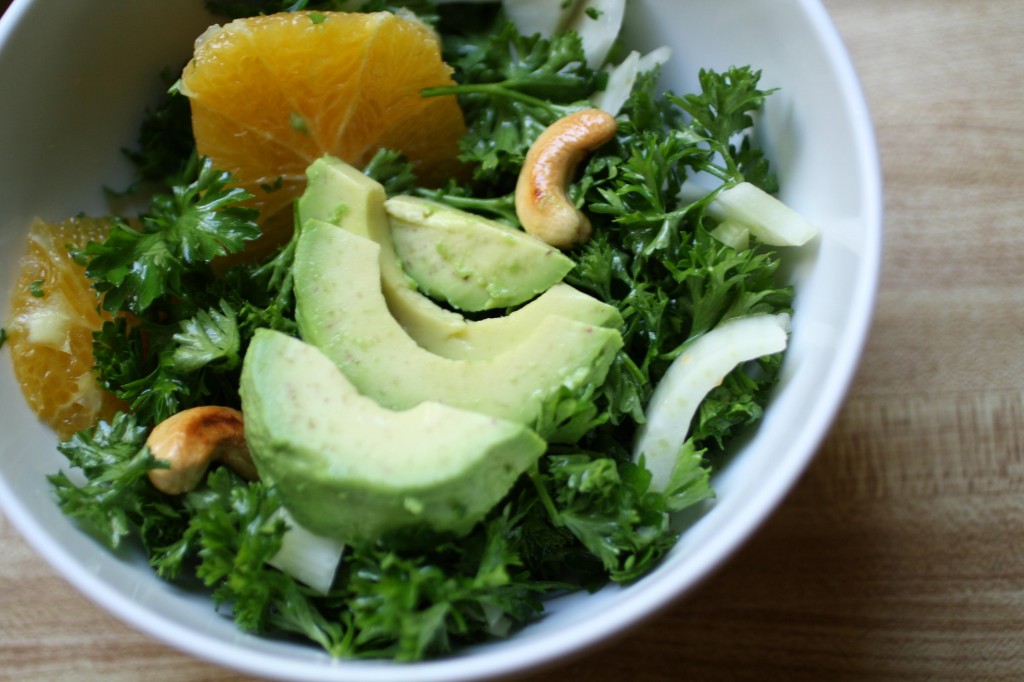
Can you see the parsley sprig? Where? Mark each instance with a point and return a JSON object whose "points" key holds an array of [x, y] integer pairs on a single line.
{"points": [[510, 88], [181, 322], [116, 500], [184, 230]]}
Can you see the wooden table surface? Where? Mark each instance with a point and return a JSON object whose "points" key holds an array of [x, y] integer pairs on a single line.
{"points": [[900, 553]]}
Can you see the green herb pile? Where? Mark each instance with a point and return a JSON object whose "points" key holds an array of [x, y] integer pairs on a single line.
{"points": [[585, 515]]}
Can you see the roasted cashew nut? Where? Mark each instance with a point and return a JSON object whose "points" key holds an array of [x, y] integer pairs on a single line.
{"points": [[542, 205], [193, 439]]}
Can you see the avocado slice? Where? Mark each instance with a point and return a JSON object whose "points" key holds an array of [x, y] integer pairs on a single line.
{"points": [[467, 260], [492, 336], [342, 195], [340, 308], [350, 469]]}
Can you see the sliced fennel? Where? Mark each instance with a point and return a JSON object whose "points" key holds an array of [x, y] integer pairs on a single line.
{"points": [[700, 368], [308, 558], [622, 78], [732, 233], [598, 23], [545, 17], [767, 218]]}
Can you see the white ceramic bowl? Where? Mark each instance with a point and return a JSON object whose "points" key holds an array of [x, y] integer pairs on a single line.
{"points": [[73, 81]]}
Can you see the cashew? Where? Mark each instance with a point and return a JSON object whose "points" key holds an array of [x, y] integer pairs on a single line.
{"points": [[193, 439], [542, 205]]}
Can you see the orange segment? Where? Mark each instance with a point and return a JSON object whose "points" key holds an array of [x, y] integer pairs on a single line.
{"points": [[271, 94], [50, 335]]}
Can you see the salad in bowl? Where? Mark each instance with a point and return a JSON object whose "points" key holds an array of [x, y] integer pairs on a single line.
{"points": [[416, 331]]}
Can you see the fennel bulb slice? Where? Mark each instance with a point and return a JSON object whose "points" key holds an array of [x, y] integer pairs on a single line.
{"points": [[311, 559], [701, 367]]}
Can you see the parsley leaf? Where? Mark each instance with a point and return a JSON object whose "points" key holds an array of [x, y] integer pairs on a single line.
{"points": [[211, 336], [187, 351], [510, 88], [551, 70], [135, 363], [737, 402], [116, 496], [391, 169], [165, 145], [423, 593], [608, 506], [720, 112], [183, 231], [722, 283], [234, 530]]}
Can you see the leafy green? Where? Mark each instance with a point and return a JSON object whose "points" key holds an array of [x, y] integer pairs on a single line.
{"points": [[510, 88], [552, 70], [181, 325], [424, 593], [165, 146], [736, 403], [391, 169], [606, 502], [233, 531], [210, 337], [606, 505], [183, 231], [720, 111], [116, 500], [461, 197]]}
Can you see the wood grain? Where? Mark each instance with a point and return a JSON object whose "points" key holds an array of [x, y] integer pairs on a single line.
{"points": [[900, 554]]}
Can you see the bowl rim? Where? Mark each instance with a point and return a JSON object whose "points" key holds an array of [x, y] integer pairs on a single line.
{"points": [[652, 595]]}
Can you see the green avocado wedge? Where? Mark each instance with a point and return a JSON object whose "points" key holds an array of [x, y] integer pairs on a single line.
{"points": [[492, 336], [340, 194], [470, 262], [340, 308], [350, 469]]}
